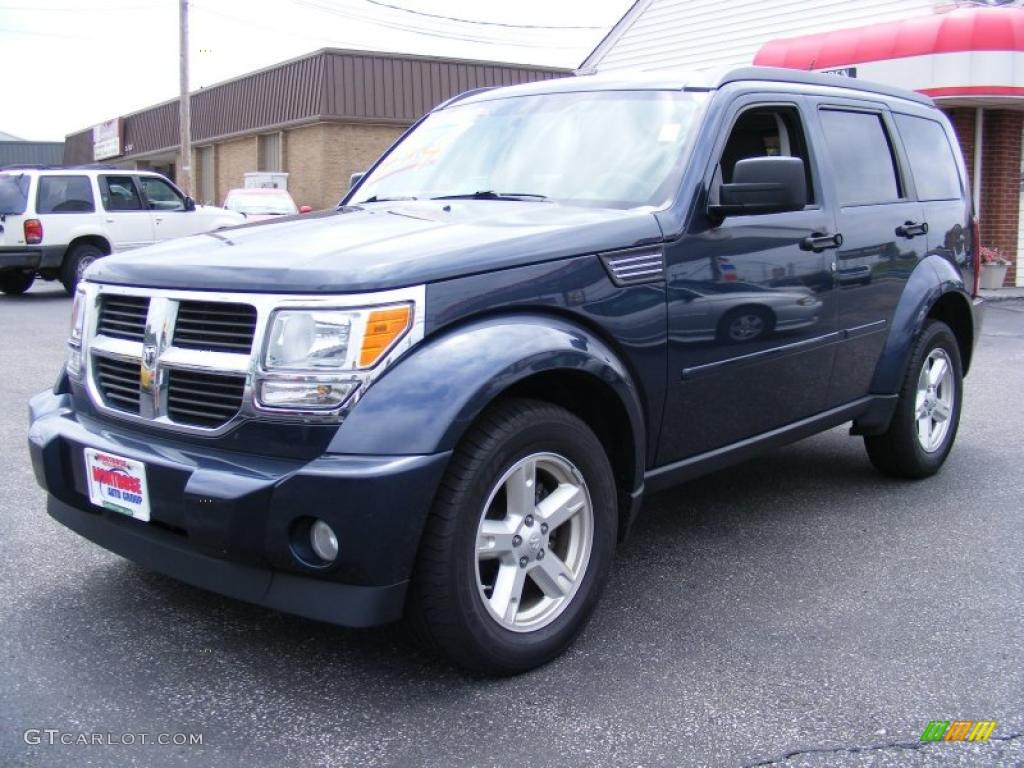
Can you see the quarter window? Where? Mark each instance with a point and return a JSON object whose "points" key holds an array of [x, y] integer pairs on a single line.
{"points": [[931, 158], [862, 158], [65, 194], [119, 193]]}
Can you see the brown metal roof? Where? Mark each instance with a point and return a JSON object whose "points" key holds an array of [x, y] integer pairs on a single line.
{"points": [[328, 84]]}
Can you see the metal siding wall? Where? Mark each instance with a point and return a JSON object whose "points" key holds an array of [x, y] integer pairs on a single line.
{"points": [[701, 34], [328, 84], [33, 152]]}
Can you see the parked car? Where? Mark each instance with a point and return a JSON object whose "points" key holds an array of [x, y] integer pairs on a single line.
{"points": [[447, 399], [262, 204], [55, 222]]}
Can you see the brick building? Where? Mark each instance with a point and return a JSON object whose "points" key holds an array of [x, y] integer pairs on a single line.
{"points": [[969, 59], [318, 118]]}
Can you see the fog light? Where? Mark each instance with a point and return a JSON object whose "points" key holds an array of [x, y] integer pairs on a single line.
{"points": [[324, 541]]}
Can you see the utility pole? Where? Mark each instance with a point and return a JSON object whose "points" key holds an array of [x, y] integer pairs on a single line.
{"points": [[184, 117]]}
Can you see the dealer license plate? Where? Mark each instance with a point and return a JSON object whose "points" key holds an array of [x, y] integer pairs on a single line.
{"points": [[117, 483]]}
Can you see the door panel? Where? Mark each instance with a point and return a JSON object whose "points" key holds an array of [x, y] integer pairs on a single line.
{"points": [[170, 218], [127, 222], [882, 230], [751, 313]]}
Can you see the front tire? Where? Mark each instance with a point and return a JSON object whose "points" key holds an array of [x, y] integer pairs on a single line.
{"points": [[15, 283], [519, 542], [76, 261], [927, 415]]}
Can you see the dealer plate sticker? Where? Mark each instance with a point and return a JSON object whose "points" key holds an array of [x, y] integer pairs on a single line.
{"points": [[117, 483]]}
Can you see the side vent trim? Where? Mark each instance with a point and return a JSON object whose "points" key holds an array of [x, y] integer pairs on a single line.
{"points": [[637, 265]]}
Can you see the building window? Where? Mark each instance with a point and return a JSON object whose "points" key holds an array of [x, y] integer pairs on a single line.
{"points": [[269, 152], [206, 183]]}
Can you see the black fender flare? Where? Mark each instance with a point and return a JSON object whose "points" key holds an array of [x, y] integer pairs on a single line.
{"points": [[428, 400]]}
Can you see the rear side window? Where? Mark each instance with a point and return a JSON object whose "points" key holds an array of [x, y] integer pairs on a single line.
{"points": [[865, 172], [119, 193], [931, 158], [13, 193], [65, 194]]}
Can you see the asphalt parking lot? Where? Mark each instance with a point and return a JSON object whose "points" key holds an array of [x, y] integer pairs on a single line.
{"points": [[796, 610]]}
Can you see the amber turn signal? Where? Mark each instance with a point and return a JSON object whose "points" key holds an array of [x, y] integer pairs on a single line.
{"points": [[383, 328]]}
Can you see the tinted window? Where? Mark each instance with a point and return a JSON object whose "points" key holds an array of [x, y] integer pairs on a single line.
{"points": [[160, 195], [119, 193], [931, 158], [13, 193], [861, 157], [64, 194]]}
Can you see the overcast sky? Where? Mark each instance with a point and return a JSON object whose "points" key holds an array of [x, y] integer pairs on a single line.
{"points": [[68, 64]]}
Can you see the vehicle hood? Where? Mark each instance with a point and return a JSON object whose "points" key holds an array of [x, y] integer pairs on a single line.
{"points": [[378, 246]]}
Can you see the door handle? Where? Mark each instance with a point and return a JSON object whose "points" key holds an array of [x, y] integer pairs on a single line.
{"points": [[912, 229], [820, 241], [158, 219], [110, 220]]}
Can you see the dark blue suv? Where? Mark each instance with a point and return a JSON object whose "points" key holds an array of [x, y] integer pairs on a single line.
{"points": [[446, 399]]}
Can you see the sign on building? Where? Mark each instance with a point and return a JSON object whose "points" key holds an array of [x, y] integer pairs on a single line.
{"points": [[108, 139]]}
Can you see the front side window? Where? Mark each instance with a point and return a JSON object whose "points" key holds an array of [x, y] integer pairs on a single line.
{"points": [[160, 195], [931, 158], [862, 157], [119, 193], [64, 194], [620, 149]]}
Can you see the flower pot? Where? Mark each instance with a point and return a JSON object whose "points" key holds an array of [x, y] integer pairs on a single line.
{"points": [[992, 275]]}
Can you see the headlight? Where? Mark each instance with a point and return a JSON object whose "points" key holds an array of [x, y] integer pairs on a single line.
{"points": [[333, 340], [313, 359], [74, 356]]}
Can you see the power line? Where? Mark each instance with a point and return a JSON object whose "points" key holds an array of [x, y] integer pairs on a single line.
{"points": [[473, 21], [461, 37]]}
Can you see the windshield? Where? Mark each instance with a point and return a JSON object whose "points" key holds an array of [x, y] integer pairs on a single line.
{"points": [[261, 202], [620, 149], [13, 193]]}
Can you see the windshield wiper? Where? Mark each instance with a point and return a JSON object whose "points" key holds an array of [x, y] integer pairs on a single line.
{"points": [[376, 199], [490, 194]]}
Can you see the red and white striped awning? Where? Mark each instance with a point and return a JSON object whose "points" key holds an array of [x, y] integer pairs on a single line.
{"points": [[974, 54]]}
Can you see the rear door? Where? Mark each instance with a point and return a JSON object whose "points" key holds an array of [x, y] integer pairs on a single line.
{"points": [[882, 229], [939, 179], [66, 205], [128, 222]]}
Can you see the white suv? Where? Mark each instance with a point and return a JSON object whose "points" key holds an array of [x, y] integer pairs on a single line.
{"points": [[55, 222]]}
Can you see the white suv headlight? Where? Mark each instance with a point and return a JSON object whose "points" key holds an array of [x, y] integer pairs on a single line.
{"points": [[312, 358]]}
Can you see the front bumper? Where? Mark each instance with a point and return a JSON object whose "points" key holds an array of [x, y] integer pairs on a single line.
{"points": [[223, 520]]}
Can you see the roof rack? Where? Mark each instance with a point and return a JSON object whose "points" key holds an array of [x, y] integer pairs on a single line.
{"points": [[780, 74]]}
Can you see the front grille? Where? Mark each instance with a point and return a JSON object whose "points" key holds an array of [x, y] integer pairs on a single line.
{"points": [[123, 317], [118, 383], [215, 327], [203, 399]]}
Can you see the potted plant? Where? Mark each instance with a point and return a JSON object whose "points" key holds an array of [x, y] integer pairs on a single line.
{"points": [[993, 268]]}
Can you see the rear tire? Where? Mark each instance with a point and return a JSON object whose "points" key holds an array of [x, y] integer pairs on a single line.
{"points": [[927, 415], [519, 542], [76, 261], [15, 283]]}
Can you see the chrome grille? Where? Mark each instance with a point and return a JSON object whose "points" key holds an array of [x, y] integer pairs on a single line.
{"points": [[123, 317], [118, 382], [203, 399], [215, 326]]}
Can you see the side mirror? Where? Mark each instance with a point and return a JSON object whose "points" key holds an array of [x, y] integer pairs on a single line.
{"points": [[190, 204], [355, 178], [763, 185], [305, 209]]}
